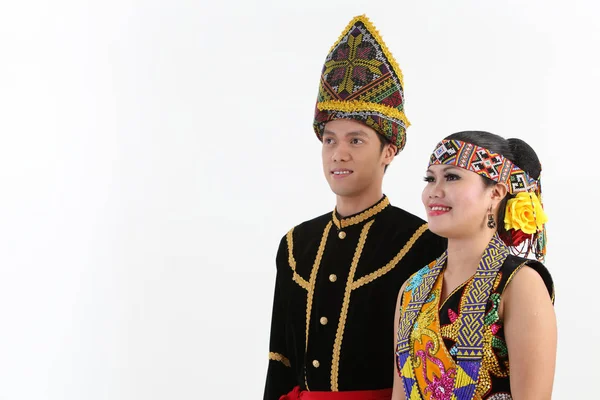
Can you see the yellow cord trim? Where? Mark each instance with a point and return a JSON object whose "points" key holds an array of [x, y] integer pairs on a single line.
{"points": [[511, 276], [459, 287], [389, 266], [278, 357], [371, 28], [313, 278], [297, 278], [517, 270], [337, 346], [357, 219], [357, 105]]}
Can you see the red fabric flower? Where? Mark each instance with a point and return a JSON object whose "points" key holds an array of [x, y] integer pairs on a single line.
{"points": [[515, 237]]}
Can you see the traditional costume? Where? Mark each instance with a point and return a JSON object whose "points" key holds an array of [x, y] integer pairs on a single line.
{"points": [[338, 278], [455, 349]]}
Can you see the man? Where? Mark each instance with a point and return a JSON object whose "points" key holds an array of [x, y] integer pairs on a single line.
{"points": [[338, 275]]}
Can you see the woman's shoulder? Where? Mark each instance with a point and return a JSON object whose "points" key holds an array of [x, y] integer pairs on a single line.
{"points": [[526, 270]]}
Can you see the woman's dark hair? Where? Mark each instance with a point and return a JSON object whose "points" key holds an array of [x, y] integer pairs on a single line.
{"points": [[515, 150]]}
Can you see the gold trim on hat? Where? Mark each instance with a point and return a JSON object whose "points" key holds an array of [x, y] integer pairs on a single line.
{"points": [[356, 105]]}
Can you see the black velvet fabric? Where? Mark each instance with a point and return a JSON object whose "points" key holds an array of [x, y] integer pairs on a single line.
{"points": [[366, 338]]}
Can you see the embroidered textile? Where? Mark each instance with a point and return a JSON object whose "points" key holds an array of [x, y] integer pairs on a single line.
{"points": [[361, 80]]}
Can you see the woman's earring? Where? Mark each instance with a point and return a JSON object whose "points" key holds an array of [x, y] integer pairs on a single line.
{"points": [[491, 223]]}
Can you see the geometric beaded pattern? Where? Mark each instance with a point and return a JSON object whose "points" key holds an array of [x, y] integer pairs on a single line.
{"points": [[470, 336], [421, 284], [361, 80], [483, 162], [469, 346]]}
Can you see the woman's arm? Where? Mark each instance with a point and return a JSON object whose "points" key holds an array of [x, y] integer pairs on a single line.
{"points": [[398, 393], [530, 331]]}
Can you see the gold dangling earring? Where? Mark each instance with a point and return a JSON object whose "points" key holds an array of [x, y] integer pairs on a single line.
{"points": [[491, 223]]}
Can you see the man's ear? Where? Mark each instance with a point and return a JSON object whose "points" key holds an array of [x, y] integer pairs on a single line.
{"points": [[389, 153]]}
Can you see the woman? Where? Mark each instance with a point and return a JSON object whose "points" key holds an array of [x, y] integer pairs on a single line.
{"points": [[462, 318]]}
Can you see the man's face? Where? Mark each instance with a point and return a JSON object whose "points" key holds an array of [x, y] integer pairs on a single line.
{"points": [[353, 161]]}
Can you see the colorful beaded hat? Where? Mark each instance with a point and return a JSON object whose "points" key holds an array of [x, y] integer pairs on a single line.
{"points": [[361, 80]]}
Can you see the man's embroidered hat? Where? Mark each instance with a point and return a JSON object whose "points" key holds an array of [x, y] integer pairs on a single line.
{"points": [[361, 80]]}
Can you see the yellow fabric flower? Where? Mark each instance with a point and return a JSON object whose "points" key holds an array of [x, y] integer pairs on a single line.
{"points": [[520, 213]]}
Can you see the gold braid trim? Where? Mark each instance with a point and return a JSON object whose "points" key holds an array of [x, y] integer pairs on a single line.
{"points": [[389, 266], [313, 278], [517, 270], [297, 278], [357, 105], [357, 219], [371, 28], [511, 276], [337, 346], [279, 357]]}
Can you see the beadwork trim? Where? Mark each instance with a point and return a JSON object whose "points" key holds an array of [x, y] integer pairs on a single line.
{"points": [[484, 162], [377, 36], [470, 345], [281, 358]]}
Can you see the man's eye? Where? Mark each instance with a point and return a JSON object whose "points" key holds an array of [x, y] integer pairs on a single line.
{"points": [[356, 141]]}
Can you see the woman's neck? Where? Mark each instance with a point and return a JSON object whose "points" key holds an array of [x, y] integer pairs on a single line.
{"points": [[464, 254]]}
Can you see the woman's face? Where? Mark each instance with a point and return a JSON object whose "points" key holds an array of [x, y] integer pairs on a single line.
{"points": [[456, 201]]}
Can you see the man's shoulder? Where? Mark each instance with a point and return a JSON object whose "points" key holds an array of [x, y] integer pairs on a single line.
{"points": [[408, 224], [311, 226], [317, 222], [397, 215]]}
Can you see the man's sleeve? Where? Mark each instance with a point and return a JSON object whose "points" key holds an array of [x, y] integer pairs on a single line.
{"points": [[280, 375]]}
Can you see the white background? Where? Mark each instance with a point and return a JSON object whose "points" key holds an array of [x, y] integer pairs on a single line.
{"points": [[153, 153]]}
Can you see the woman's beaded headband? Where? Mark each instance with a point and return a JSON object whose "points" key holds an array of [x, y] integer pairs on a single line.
{"points": [[483, 162], [524, 218]]}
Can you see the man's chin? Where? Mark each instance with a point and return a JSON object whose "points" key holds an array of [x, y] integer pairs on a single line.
{"points": [[343, 190]]}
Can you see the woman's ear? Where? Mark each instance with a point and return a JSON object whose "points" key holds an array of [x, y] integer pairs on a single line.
{"points": [[499, 192]]}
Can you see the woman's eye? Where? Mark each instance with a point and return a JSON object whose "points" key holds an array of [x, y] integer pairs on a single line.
{"points": [[428, 179], [452, 177]]}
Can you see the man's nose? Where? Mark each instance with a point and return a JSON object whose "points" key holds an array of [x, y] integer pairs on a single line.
{"points": [[340, 154]]}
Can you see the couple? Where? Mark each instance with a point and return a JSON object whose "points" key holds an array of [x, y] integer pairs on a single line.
{"points": [[452, 297]]}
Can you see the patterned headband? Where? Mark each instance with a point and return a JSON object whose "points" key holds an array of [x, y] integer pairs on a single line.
{"points": [[483, 162]]}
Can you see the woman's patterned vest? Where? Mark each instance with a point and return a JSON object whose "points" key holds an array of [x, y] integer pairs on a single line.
{"points": [[456, 350]]}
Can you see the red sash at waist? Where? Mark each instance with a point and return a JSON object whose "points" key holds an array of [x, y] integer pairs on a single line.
{"points": [[297, 394]]}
